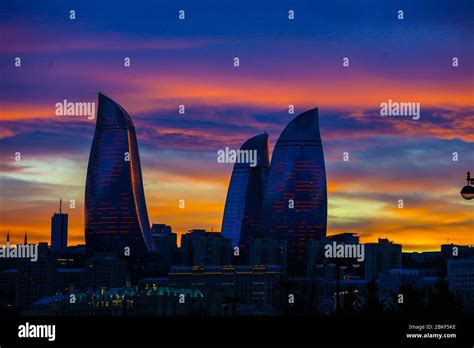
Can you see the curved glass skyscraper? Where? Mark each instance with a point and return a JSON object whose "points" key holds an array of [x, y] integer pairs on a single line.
{"points": [[242, 219], [295, 203], [115, 209]]}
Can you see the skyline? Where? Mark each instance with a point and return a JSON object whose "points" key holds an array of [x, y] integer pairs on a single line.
{"points": [[190, 63]]}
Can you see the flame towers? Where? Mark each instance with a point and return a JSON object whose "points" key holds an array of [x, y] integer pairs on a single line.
{"points": [[115, 209], [243, 209], [286, 200], [295, 203]]}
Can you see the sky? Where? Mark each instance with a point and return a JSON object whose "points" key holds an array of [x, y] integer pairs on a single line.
{"points": [[190, 62]]}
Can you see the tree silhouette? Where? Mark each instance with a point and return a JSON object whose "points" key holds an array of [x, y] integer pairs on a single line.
{"points": [[369, 304], [443, 302], [412, 302]]}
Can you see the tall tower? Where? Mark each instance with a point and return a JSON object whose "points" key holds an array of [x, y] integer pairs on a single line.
{"points": [[115, 210], [242, 221], [59, 224], [295, 203]]}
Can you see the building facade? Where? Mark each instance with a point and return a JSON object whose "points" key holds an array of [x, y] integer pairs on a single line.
{"points": [[201, 248], [381, 256], [295, 203], [115, 209], [59, 224], [165, 245], [242, 221], [461, 281], [268, 252], [253, 286]]}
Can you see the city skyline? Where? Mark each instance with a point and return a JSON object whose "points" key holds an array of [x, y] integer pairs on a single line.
{"points": [[173, 64]]}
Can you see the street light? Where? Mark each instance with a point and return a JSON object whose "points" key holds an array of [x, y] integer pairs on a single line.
{"points": [[467, 191]]}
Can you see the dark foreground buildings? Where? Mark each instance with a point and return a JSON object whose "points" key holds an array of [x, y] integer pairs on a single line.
{"points": [[202, 248], [115, 210]]}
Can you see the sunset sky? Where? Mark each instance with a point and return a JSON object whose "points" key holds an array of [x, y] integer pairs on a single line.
{"points": [[282, 62]]}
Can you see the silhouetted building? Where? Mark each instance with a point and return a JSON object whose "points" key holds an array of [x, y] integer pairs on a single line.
{"points": [[295, 203], [242, 221], [461, 281], [381, 256], [326, 268], [390, 281], [240, 286], [268, 252], [165, 245], [68, 279], [428, 263], [450, 251], [316, 259], [434, 263], [59, 224], [115, 208], [105, 270], [161, 228], [7, 263], [35, 279], [345, 238], [72, 257], [201, 248]]}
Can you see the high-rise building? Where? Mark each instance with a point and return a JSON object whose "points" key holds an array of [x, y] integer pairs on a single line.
{"points": [[165, 244], [295, 203], [201, 248], [242, 221], [381, 256], [59, 223], [115, 208]]}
